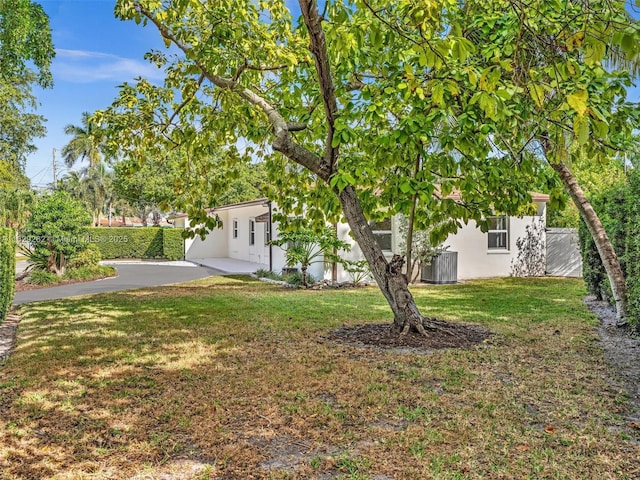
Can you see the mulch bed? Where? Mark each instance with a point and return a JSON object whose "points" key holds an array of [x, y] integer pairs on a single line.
{"points": [[385, 336]]}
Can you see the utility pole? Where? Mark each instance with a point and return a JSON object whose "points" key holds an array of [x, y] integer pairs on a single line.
{"points": [[55, 171]]}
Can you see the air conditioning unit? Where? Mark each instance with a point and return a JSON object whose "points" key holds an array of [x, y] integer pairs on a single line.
{"points": [[442, 269]]}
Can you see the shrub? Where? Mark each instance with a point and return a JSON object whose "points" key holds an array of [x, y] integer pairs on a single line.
{"points": [[56, 229], [7, 269], [358, 270], [89, 257], [298, 279], [90, 272], [262, 273], [145, 242], [42, 277]]}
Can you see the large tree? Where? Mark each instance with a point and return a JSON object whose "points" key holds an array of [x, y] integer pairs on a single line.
{"points": [[573, 61], [26, 52], [340, 104]]}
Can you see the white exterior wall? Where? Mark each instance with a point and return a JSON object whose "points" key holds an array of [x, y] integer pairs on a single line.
{"points": [[476, 260], [214, 244], [239, 247]]}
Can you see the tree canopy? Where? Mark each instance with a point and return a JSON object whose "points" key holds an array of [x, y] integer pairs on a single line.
{"points": [[369, 109]]}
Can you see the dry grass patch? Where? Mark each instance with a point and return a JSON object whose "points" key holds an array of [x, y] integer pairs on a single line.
{"points": [[231, 378]]}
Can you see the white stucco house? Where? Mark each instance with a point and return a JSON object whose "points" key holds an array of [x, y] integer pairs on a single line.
{"points": [[248, 227]]}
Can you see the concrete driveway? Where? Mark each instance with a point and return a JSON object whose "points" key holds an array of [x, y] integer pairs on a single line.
{"points": [[131, 275]]}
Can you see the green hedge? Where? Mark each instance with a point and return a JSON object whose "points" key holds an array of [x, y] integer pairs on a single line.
{"points": [[143, 242], [172, 243], [7, 269], [619, 210]]}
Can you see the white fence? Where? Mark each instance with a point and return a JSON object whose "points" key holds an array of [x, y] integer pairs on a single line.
{"points": [[563, 253]]}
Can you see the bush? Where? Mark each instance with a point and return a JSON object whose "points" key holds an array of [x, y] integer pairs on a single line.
{"points": [[92, 272], [90, 257], [56, 229], [262, 273], [42, 277], [144, 242], [297, 279], [619, 210], [7, 269]]}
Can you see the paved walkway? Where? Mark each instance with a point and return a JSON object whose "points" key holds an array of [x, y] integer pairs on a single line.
{"points": [[131, 275], [230, 265]]}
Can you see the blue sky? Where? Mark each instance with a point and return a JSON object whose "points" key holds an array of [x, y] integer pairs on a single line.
{"points": [[95, 53]]}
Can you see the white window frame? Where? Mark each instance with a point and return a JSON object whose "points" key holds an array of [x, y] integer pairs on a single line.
{"points": [[252, 231], [377, 231], [235, 228], [267, 232], [498, 233]]}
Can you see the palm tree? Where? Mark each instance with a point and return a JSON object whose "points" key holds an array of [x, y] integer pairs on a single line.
{"points": [[83, 145], [91, 185]]}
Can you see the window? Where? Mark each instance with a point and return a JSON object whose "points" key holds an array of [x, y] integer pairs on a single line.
{"points": [[252, 232], [235, 228], [267, 232], [498, 233], [382, 233]]}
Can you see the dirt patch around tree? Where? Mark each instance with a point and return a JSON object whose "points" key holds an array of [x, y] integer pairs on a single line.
{"points": [[383, 336], [622, 351]]}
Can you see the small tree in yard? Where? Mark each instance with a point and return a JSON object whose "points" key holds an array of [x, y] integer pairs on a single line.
{"points": [[422, 248], [305, 247], [56, 231]]}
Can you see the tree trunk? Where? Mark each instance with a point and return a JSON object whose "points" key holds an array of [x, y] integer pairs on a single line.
{"points": [[605, 249], [388, 275]]}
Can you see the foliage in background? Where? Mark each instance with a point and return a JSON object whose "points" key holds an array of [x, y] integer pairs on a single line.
{"points": [[144, 242], [7, 268], [305, 246], [26, 52], [56, 230], [93, 186], [89, 257], [16, 197], [593, 178], [530, 261], [619, 208], [358, 270], [422, 248], [84, 144]]}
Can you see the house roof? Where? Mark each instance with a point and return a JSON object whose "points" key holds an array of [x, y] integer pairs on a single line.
{"points": [[535, 196], [249, 203]]}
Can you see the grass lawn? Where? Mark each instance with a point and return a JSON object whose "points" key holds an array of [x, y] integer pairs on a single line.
{"points": [[232, 378]]}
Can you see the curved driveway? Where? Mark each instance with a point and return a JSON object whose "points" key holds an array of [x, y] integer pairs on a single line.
{"points": [[130, 276]]}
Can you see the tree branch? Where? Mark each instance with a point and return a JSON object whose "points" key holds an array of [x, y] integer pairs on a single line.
{"points": [[318, 47], [283, 142], [184, 103]]}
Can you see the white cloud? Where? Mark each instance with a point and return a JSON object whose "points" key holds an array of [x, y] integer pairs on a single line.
{"points": [[82, 66]]}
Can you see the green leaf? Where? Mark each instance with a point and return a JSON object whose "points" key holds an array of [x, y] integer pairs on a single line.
{"points": [[437, 92], [537, 94], [578, 101], [581, 129]]}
